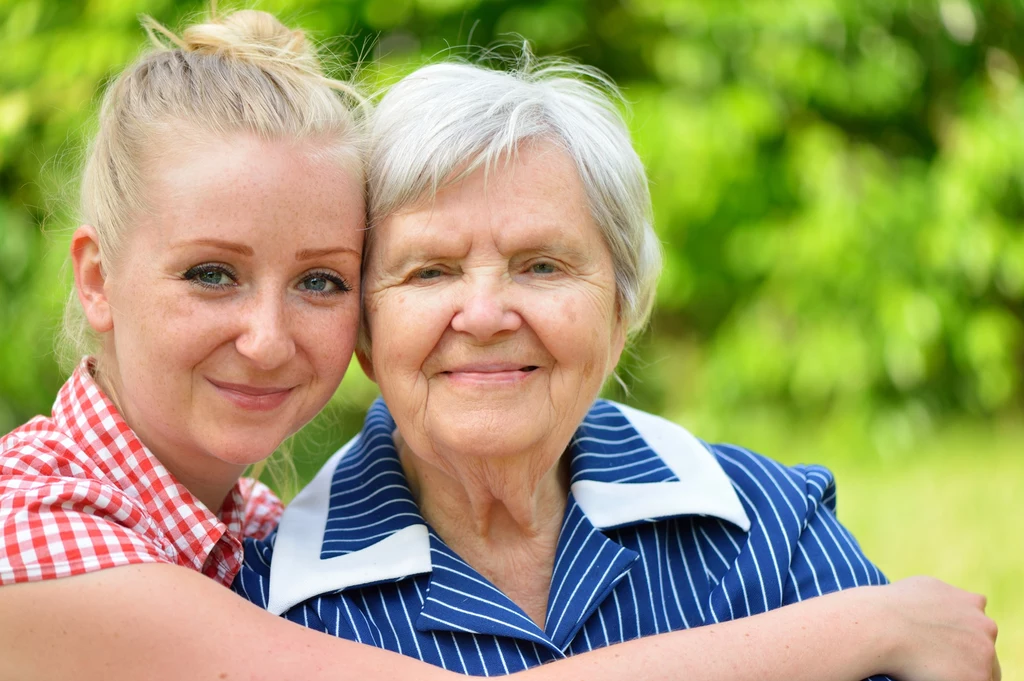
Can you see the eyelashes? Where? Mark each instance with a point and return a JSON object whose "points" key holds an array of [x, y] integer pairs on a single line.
{"points": [[217, 277], [320, 283], [211, 276], [544, 268]]}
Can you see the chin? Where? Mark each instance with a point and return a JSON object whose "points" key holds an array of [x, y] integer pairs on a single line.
{"points": [[494, 442], [245, 451]]}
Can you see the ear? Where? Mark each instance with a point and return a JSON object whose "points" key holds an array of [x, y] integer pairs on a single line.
{"points": [[618, 344], [618, 339], [366, 362], [90, 279]]}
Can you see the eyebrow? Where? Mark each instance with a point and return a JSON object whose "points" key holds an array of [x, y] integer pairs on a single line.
{"points": [[313, 253], [217, 243], [407, 260], [242, 249], [417, 257]]}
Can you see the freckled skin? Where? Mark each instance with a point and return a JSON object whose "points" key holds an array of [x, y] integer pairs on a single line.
{"points": [[261, 325]]}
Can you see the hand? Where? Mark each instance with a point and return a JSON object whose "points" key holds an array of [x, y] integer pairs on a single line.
{"points": [[941, 633]]}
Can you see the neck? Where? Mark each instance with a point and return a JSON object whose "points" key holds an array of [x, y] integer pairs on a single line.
{"points": [[209, 489], [502, 516], [210, 485]]}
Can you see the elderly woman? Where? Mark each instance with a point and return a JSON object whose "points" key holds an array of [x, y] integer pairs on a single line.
{"points": [[495, 515]]}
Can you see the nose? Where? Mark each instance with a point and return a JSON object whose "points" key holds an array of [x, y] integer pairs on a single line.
{"points": [[486, 308], [266, 337]]}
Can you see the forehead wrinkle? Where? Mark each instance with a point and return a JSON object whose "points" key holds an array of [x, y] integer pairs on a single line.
{"points": [[541, 220], [412, 241], [539, 230], [554, 205], [547, 237]]}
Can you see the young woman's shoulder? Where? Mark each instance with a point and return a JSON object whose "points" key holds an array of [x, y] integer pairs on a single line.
{"points": [[41, 447], [79, 493], [61, 513]]}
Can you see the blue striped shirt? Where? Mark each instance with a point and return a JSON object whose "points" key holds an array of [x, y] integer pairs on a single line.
{"points": [[661, 532]]}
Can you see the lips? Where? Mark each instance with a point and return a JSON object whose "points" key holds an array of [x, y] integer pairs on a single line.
{"points": [[253, 397], [490, 368], [490, 373]]}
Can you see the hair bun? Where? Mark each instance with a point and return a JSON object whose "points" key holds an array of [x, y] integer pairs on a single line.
{"points": [[248, 36]]}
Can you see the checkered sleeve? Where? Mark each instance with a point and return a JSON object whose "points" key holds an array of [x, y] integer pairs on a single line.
{"points": [[57, 526], [262, 509]]}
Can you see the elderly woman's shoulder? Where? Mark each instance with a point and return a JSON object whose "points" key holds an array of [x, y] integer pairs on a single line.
{"points": [[761, 477], [760, 481]]}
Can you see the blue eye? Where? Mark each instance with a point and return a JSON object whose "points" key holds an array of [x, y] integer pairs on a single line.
{"points": [[323, 284], [211, 278], [318, 284], [543, 268], [210, 275], [429, 273]]}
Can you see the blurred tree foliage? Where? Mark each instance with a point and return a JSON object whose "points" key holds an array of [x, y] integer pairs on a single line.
{"points": [[839, 184]]}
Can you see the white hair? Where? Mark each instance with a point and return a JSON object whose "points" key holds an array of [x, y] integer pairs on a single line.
{"points": [[444, 121]]}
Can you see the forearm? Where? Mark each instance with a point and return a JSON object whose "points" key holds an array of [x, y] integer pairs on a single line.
{"points": [[832, 637], [165, 623], [162, 622]]}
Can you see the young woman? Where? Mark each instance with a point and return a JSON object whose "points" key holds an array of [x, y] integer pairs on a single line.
{"points": [[216, 306]]}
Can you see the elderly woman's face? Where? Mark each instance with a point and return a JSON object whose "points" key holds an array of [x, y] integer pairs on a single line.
{"points": [[493, 311]]}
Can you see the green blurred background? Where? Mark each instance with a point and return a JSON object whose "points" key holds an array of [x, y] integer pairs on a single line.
{"points": [[839, 185]]}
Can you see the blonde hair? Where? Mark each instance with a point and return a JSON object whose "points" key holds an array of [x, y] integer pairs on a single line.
{"points": [[241, 72]]}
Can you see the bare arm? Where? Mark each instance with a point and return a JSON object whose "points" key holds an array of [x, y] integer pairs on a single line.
{"points": [[162, 622], [918, 629]]}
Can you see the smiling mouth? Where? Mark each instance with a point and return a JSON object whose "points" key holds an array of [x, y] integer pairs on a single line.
{"points": [[490, 376], [526, 369], [253, 398]]}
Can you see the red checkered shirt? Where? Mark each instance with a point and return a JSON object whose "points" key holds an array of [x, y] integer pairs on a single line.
{"points": [[79, 492]]}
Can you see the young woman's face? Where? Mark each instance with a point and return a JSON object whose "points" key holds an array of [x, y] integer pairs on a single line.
{"points": [[235, 300]]}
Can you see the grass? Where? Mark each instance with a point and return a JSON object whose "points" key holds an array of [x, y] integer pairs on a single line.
{"points": [[953, 517]]}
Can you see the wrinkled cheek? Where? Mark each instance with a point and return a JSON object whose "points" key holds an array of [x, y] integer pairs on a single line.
{"points": [[569, 311], [393, 359], [409, 327]]}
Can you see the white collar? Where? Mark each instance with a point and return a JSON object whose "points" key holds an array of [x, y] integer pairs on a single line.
{"points": [[696, 485]]}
